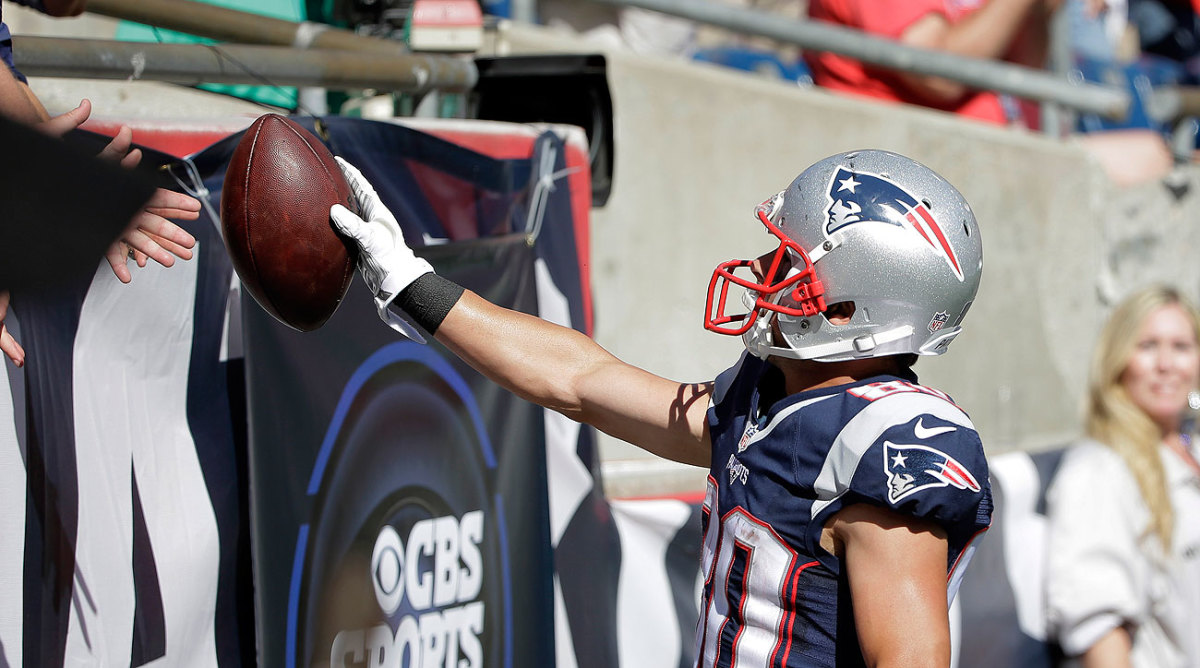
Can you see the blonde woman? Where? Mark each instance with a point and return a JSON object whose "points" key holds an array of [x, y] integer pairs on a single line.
{"points": [[1123, 569]]}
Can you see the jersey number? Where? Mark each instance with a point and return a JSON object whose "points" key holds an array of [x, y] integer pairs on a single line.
{"points": [[750, 591]]}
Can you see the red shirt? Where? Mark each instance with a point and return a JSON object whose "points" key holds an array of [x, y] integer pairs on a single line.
{"points": [[890, 18]]}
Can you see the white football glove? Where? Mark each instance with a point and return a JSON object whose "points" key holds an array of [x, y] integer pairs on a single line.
{"points": [[386, 263]]}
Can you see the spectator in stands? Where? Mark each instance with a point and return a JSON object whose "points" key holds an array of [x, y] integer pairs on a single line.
{"points": [[52, 8], [1123, 569], [16, 100], [150, 234], [653, 33], [1012, 30], [639, 30], [1100, 30], [1169, 29]]}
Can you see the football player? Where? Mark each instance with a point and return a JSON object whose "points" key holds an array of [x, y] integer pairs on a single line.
{"points": [[843, 497]]}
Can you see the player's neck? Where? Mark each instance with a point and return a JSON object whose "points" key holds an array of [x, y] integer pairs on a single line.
{"points": [[803, 375]]}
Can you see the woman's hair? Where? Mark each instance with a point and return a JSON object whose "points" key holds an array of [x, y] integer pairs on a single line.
{"points": [[1114, 419]]}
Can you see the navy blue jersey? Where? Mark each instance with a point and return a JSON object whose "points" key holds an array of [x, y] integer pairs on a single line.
{"points": [[773, 598]]}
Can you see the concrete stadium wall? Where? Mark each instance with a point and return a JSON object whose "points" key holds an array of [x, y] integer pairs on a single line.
{"points": [[698, 146]]}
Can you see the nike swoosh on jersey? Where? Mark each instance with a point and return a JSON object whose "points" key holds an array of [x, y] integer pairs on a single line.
{"points": [[922, 432]]}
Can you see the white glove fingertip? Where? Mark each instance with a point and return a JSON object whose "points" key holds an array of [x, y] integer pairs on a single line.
{"points": [[363, 190], [346, 221], [348, 170]]}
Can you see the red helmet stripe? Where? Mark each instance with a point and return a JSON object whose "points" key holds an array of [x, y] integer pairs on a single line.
{"points": [[920, 228], [946, 248]]}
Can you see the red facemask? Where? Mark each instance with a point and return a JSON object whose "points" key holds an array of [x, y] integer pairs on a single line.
{"points": [[780, 275]]}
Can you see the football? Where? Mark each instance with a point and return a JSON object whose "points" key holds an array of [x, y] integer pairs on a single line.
{"points": [[275, 203]]}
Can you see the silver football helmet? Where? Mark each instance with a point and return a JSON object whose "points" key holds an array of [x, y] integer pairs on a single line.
{"points": [[870, 227]]}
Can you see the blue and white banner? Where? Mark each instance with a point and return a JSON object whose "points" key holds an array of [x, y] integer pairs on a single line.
{"points": [[119, 466]]}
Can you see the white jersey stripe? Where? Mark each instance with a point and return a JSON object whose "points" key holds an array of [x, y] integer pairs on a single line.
{"points": [[864, 429], [959, 569]]}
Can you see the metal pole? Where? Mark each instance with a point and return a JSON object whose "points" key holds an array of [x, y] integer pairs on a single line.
{"points": [[1109, 101], [231, 25], [1055, 119], [524, 11], [241, 64]]}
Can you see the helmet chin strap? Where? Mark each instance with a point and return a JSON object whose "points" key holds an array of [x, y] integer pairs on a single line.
{"points": [[758, 341]]}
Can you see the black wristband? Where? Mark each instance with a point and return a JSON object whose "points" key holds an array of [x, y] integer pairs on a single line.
{"points": [[428, 300]]}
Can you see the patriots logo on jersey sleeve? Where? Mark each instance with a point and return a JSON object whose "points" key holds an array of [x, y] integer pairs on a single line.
{"points": [[856, 197], [912, 468]]}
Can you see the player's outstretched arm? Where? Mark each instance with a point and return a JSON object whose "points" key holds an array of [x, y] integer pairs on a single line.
{"points": [[563, 370], [553, 366], [896, 566]]}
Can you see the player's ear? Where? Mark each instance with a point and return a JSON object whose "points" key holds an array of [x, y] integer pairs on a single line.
{"points": [[839, 313]]}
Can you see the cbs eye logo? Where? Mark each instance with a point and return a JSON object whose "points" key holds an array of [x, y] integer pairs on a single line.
{"points": [[402, 564], [457, 574]]}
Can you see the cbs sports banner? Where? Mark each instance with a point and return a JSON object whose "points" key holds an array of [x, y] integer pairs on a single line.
{"points": [[400, 508]]}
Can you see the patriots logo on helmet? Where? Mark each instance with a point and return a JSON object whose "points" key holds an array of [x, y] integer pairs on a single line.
{"points": [[912, 468], [855, 197]]}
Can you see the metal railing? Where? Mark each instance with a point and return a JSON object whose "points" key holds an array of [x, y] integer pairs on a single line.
{"points": [[1109, 101], [1171, 105], [242, 64], [231, 25], [257, 50], [407, 72]]}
